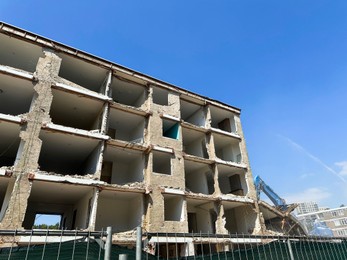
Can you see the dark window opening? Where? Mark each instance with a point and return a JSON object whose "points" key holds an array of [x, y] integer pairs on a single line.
{"points": [[9, 143], [173, 206], [223, 119], [76, 111], [194, 143], [170, 129], [193, 113], [160, 96], [162, 163], [127, 92]]}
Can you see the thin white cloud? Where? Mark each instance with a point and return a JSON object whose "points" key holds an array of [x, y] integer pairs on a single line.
{"points": [[311, 194], [343, 166], [314, 158], [306, 175]]}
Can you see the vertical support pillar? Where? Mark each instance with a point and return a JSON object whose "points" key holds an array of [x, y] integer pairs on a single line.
{"points": [[46, 73], [290, 250], [138, 243], [105, 90], [108, 245], [92, 216]]}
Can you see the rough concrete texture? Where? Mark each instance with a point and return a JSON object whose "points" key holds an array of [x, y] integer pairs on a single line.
{"points": [[228, 213], [249, 178], [46, 71]]}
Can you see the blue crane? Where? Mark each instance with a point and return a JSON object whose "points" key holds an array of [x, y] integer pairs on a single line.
{"points": [[280, 203]]}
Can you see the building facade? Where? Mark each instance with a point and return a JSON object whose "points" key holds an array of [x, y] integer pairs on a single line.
{"points": [[102, 145], [334, 219], [306, 207]]}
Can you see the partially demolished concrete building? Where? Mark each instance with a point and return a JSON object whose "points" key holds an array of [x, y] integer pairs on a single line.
{"points": [[103, 145]]}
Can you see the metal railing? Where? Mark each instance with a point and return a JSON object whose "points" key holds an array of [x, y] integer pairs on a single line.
{"points": [[72, 244], [52, 244], [241, 246]]}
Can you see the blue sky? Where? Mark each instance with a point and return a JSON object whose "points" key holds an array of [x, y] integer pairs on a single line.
{"points": [[284, 63]]}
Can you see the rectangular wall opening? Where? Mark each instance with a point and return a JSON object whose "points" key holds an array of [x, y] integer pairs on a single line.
{"points": [[64, 153], [170, 129], [126, 126], [121, 210], [161, 162], [199, 177], [82, 73], [232, 181], [16, 95], [160, 96], [193, 113], [223, 119], [47, 221], [173, 208], [194, 143], [128, 93], [122, 166], [239, 219], [71, 202], [227, 148], [6, 187], [9, 142], [18, 53], [200, 216], [76, 111]]}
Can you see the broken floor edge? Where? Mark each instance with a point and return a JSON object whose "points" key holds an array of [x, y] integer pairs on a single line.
{"points": [[14, 31]]}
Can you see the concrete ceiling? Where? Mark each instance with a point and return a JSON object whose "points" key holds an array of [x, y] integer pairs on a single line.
{"points": [[229, 170], [123, 155], [191, 166], [81, 72], [118, 195], [62, 146], [267, 214], [9, 136], [18, 53], [15, 95], [57, 193], [222, 141], [232, 204], [74, 110], [199, 203], [126, 92], [188, 109], [124, 121], [189, 135], [219, 114]]}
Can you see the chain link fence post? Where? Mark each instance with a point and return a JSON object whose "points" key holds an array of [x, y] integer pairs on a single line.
{"points": [[290, 250], [138, 243], [123, 257], [108, 245]]}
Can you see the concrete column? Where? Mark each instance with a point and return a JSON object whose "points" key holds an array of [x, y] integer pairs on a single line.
{"points": [[92, 218], [47, 70]]}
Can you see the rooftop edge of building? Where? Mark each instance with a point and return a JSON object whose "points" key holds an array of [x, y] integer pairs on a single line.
{"points": [[6, 28]]}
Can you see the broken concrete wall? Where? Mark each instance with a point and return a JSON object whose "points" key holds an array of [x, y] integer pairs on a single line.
{"points": [[126, 131], [46, 71]]}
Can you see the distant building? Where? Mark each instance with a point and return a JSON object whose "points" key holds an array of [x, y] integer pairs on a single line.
{"points": [[335, 219], [307, 207]]}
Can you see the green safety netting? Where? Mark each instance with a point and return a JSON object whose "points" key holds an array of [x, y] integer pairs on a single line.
{"points": [[66, 250], [301, 250]]}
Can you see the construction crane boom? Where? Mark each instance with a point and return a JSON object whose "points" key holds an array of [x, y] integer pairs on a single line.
{"points": [[280, 203]]}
